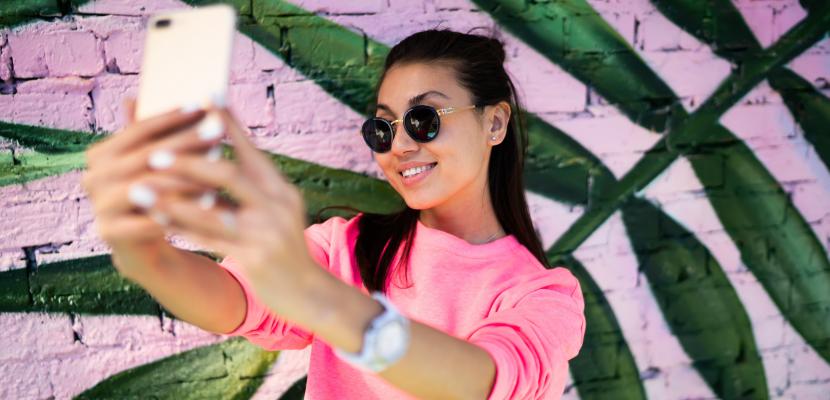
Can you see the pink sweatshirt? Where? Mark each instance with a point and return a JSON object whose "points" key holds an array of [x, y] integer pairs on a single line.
{"points": [[495, 295]]}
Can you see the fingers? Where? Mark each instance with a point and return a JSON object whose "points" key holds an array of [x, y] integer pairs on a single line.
{"points": [[219, 174], [253, 161], [186, 216], [158, 155], [138, 133], [128, 228], [143, 193], [129, 110]]}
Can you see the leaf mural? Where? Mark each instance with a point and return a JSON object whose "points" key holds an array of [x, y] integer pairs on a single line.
{"points": [[775, 241], [53, 152], [698, 301], [708, 21], [234, 368], [574, 36], [810, 109], [604, 364]]}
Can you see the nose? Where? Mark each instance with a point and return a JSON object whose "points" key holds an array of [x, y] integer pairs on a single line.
{"points": [[401, 142]]}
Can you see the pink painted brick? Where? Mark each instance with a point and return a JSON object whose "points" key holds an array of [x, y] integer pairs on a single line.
{"points": [[25, 380], [109, 94], [250, 104], [814, 65], [550, 217], [34, 336], [63, 110], [124, 50], [121, 331], [38, 54], [543, 86], [129, 7], [657, 33], [687, 380], [342, 7]]}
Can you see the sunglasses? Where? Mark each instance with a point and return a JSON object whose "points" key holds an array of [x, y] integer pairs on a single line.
{"points": [[420, 122]]}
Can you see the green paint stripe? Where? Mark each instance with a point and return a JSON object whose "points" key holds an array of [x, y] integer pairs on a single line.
{"points": [[296, 391], [774, 239], [574, 36], [233, 369], [810, 109], [720, 25], [699, 303], [604, 364]]}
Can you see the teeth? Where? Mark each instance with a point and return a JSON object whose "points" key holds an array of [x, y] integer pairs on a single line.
{"points": [[417, 170]]}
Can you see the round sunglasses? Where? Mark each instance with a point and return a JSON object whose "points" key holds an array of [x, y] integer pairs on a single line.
{"points": [[420, 122]]}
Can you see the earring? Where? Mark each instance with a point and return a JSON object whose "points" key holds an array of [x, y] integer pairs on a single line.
{"points": [[493, 138]]}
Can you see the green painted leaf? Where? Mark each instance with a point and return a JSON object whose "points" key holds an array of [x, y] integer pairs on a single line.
{"points": [[575, 37], [14, 13], [233, 369], [296, 391], [775, 241], [85, 286], [54, 152], [698, 302], [809, 107], [714, 22], [719, 24], [604, 364]]}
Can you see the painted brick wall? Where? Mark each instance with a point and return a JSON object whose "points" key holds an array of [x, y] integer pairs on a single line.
{"points": [[69, 64]]}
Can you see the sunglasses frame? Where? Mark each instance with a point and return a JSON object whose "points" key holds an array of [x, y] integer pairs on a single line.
{"points": [[438, 111]]}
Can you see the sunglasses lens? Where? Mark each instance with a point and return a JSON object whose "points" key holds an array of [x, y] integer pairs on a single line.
{"points": [[422, 123], [377, 133]]}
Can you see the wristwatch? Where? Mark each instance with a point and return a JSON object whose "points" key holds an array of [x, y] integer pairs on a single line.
{"points": [[385, 340]]}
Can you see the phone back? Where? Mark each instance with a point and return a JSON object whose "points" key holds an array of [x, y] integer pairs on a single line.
{"points": [[186, 59]]}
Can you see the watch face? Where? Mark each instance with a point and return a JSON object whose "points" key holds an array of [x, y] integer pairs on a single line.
{"points": [[391, 340]]}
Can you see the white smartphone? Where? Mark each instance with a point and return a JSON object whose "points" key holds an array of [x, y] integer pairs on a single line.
{"points": [[187, 58]]}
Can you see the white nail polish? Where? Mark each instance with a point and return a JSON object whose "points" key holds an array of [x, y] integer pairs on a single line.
{"points": [[228, 220], [161, 159], [211, 128], [214, 154], [207, 200], [159, 217], [141, 195]]}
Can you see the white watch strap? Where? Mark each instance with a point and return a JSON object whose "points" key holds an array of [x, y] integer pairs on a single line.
{"points": [[369, 358]]}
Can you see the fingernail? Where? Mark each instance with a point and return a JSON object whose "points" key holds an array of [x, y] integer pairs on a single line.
{"points": [[228, 220], [211, 128], [161, 159], [214, 154], [142, 196], [159, 217], [207, 200]]}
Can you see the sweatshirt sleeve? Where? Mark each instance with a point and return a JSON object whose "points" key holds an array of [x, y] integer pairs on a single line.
{"points": [[261, 326], [537, 326]]}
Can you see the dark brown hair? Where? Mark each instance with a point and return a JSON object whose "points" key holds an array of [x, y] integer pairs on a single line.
{"points": [[478, 63]]}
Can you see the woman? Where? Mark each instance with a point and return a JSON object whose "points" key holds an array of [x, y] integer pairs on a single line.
{"points": [[462, 305]]}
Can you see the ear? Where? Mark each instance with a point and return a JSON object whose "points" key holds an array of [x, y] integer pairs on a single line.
{"points": [[498, 118]]}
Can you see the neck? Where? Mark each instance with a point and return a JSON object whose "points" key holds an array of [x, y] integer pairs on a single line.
{"points": [[473, 221]]}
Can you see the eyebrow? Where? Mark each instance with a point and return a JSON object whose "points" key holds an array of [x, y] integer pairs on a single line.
{"points": [[414, 100]]}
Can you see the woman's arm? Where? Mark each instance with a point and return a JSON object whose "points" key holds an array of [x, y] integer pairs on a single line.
{"points": [[192, 287], [436, 366]]}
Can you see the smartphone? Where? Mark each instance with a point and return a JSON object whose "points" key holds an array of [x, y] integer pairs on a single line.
{"points": [[187, 58]]}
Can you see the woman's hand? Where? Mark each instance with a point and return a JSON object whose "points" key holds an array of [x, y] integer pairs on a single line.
{"points": [[119, 180], [263, 233]]}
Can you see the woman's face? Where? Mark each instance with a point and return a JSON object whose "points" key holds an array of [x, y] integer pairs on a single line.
{"points": [[458, 156]]}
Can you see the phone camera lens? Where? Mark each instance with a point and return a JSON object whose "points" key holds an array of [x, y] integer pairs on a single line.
{"points": [[162, 23]]}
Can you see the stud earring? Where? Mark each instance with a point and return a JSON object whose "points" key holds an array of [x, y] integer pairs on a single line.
{"points": [[493, 138]]}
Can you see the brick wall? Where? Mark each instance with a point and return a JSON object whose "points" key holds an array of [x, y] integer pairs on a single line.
{"points": [[69, 65]]}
